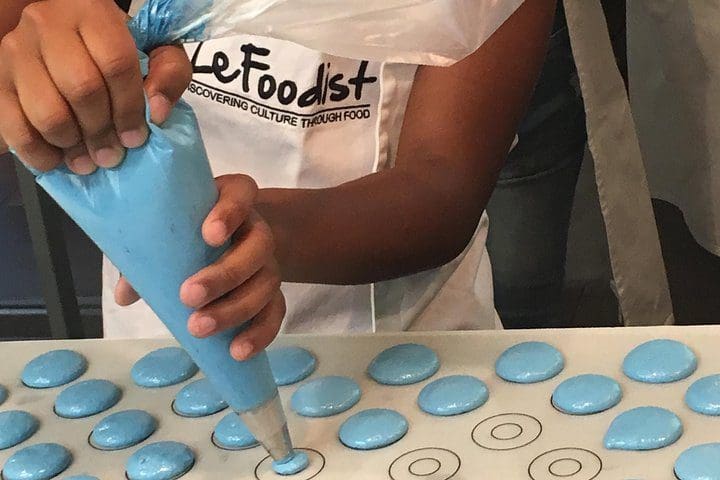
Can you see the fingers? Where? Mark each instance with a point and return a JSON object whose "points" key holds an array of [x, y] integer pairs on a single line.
{"points": [[169, 74], [20, 135], [245, 282], [117, 62], [250, 252], [80, 82], [261, 330], [237, 194], [237, 307], [125, 294], [74, 73], [73, 86], [44, 105], [15, 129]]}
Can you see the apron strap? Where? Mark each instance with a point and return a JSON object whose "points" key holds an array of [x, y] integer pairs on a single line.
{"points": [[635, 254]]}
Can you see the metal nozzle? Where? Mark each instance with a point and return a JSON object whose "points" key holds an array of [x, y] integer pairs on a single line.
{"points": [[267, 422]]}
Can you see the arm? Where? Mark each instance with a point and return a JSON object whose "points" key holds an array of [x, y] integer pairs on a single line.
{"points": [[459, 125]]}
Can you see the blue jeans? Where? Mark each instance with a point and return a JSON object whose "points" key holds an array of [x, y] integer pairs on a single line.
{"points": [[531, 205]]}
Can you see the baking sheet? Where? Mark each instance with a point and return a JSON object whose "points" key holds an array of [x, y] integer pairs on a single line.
{"points": [[465, 447]]}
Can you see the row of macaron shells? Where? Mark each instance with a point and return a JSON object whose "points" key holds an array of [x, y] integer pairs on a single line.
{"points": [[160, 368], [402, 364], [525, 363], [123, 429], [659, 361]]}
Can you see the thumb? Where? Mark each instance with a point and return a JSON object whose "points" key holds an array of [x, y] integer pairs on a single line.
{"points": [[169, 74], [125, 294]]}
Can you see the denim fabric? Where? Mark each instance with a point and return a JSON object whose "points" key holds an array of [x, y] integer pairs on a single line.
{"points": [[530, 208]]}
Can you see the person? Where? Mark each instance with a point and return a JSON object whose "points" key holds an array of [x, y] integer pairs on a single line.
{"points": [[359, 185]]}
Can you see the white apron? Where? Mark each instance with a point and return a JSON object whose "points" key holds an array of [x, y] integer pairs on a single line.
{"points": [[674, 69], [639, 275], [291, 117]]}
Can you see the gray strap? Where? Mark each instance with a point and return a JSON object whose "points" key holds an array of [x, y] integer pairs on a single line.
{"points": [[635, 255]]}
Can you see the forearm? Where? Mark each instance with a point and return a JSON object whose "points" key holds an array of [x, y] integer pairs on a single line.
{"points": [[382, 226], [458, 127]]}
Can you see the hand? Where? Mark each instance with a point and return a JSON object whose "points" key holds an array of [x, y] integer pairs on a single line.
{"points": [[71, 89], [243, 285]]}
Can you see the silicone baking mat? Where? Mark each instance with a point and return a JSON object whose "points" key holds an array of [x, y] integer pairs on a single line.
{"points": [[517, 434]]}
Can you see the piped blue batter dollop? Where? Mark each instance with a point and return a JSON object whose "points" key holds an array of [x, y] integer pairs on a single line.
{"points": [[163, 367], [42, 461], [701, 462], [703, 396], [373, 428], [291, 364], [16, 426], [231, 433], [643, 428], [198, 399], [404, 364], [160, 461], [453, 395], [325, 396], [529, 362], [660, 361], [587, 394], [87, 398], [54, 368], [296, 462], [123, 429]]}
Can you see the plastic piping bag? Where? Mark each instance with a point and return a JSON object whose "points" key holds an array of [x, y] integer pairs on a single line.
{"points": [[146, 216], [420, 32]]}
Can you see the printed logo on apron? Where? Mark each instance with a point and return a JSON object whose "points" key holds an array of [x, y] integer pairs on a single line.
{"points": [[258, 89], [284, 114]]}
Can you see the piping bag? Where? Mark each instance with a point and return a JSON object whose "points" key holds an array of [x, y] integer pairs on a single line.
{"points": [[146, 216]]}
